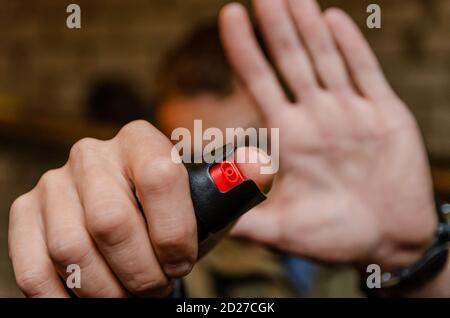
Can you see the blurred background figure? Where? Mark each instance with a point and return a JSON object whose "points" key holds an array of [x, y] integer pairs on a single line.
{"points": [[58, 85]]}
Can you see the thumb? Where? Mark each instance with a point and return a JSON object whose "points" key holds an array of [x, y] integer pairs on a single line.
{"points": [[260, 225], [250, 161]]}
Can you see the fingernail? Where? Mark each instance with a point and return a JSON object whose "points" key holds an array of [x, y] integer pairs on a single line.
{"points": [[178, 270]]}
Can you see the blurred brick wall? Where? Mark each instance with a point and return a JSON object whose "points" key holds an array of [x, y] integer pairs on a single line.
{"points": [[50, 66]]}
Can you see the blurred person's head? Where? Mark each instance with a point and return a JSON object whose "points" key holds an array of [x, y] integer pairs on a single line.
{"points": [[195, 81]]}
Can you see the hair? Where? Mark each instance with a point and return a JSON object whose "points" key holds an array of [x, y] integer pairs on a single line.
{"points": [[196, 66]]}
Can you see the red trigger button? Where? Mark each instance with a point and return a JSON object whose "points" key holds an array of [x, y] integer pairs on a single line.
{"points": [[226, 175]]}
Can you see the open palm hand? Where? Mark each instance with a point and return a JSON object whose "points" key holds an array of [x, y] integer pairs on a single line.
{"points": [[354, 184]]}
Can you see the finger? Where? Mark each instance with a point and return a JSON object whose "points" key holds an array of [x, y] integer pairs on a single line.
{"points": [[258, 225], [33, 268], [162, 187], [69, 242], [248, 60], [119, 230], [254, 225], [362, 63], [317, 37], [249, 161], [115, 222], [286, 47]]}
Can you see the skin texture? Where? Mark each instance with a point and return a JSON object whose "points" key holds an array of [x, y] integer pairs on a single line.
{"points": [[354, 185], [87, 213]]}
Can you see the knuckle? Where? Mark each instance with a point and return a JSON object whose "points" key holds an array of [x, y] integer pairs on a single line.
{"points": [[160, 174], [110, 222], [178, 239], [32, 282], [83, 148], [134, 127], [18, 211], [20, 204], [68, 247], [50, 180]]}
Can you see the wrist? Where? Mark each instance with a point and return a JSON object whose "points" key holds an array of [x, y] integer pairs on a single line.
{"points": [[428, 276], [407, 243], [438, 286]]}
